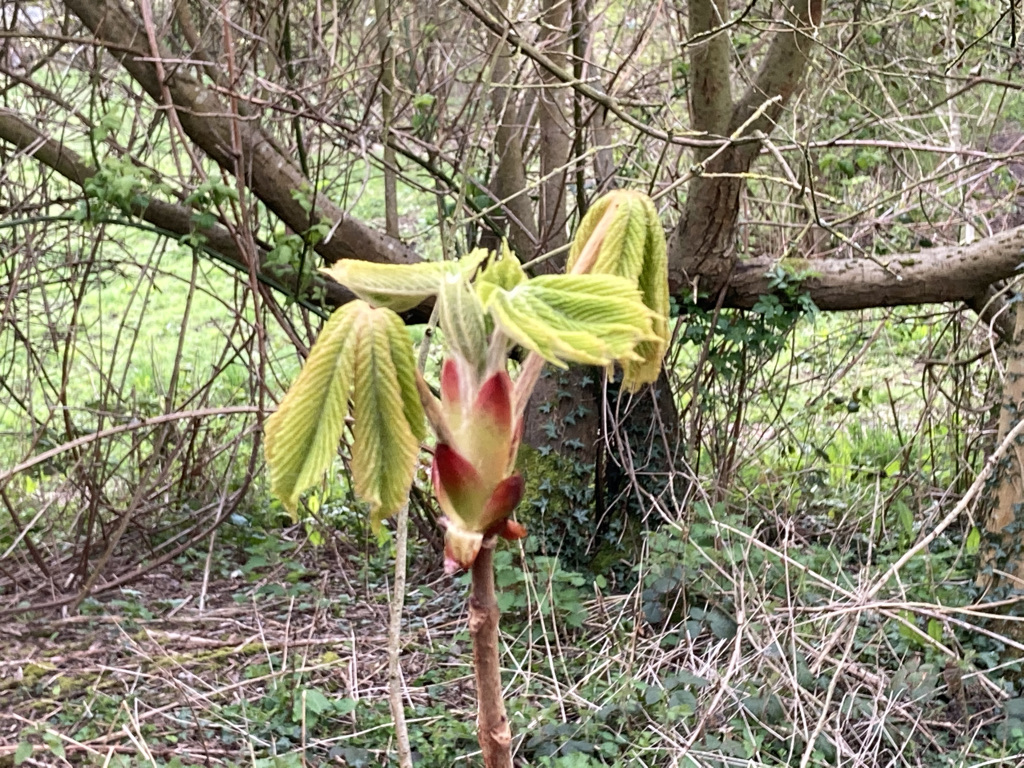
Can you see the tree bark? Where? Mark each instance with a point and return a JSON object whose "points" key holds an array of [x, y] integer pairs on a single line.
{"points": [[555, 134], [1004, 551], [510, 177], [382, 9], [271, 174], [932, 275], [494, 732], [702, 248]]}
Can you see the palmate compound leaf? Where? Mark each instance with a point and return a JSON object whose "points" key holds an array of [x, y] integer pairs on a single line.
{"points": [[590, 319], [632, 246], [400, 287], [368, 349]]}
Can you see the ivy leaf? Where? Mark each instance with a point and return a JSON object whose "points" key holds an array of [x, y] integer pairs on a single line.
{"points": [[400, 287], [369, 350], [590, 319], [302, 435], [385, 443], [632, 246]]}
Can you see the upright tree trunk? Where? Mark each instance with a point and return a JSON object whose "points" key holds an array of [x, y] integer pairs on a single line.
{"points": [[555, 132], [510, 182], [382, 9], [1003, 524], [701, 249]]}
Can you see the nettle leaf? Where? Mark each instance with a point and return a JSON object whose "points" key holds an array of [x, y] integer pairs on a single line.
{"points": [[301, 437], [368, 350], [590, 319], [632, 246], [385, 439]]}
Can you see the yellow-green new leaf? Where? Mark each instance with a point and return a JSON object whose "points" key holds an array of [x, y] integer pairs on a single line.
{"points": [[505, 273], [632, 246], [405, 369], [461, 317], [653, 284], [301, 437], [368, 350], [388, 416], [400, 287], [590, 319]]}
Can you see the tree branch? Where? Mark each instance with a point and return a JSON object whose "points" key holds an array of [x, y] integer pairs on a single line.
{"points": [[943, 274], [504, 29], [711, 91], [271, 175], [510, 177], [555, 133], [175, 219], [781, 71], [701, 250]]}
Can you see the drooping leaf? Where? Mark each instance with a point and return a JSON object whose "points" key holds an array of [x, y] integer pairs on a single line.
{"points": [[653, 284], [590, 319], [302, 436], [399, 287], [405, 369], [621, 251], [633, 246], [369, 350], [385, 441]]}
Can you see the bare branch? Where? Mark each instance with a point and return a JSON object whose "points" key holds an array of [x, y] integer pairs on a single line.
{"points": [[272, 176], [174, 219], [780, 74]]}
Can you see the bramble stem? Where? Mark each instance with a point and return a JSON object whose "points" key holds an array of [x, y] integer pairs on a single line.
{"points": [[493, 730]]}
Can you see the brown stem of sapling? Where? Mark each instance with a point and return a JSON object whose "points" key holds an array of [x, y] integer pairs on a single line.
{"points": [[493, 730]]}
